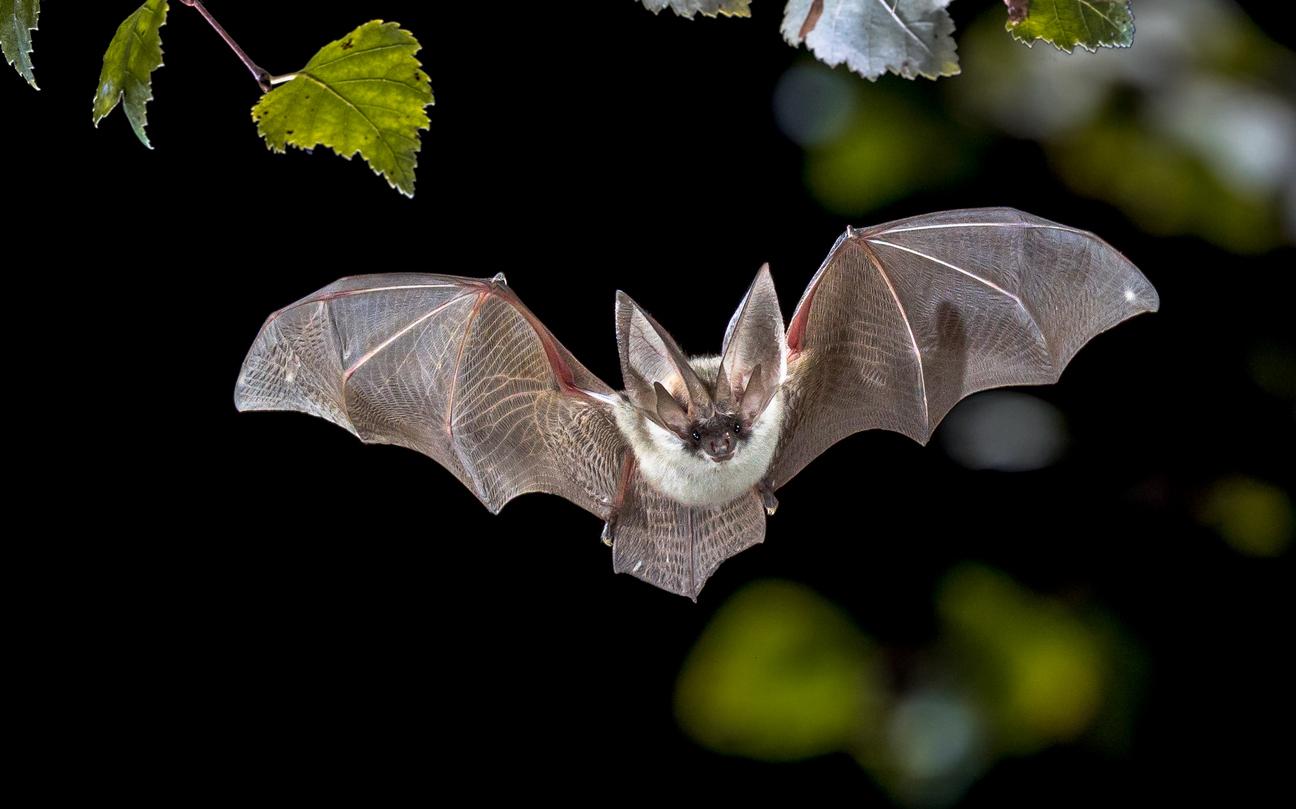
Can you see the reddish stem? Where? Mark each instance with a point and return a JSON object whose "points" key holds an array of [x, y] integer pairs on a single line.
{"points": [[259, 73]]}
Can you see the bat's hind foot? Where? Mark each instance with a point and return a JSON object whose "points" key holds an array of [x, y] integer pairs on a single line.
{"points": [[767, 497], [609, 531]]}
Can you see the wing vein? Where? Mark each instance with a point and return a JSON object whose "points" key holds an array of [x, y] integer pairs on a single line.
{"points": [[922, 375], [1015, 299], [971, 275], [371, 353], [352, 292], [1030, 225], [454, 376]]}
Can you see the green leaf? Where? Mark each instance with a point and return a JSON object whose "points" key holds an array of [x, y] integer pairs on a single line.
{"points": [[363, 93], [906, 37], [709, 8], [128, 65], [1091, 24], [17, 21]]}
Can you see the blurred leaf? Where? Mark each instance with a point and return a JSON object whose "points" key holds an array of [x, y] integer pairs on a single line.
{"points": [[889, 149], [363, 93], [1253, 516], [778, 674], [17, 21], [1165, 186], [1091, 24], [906, 37], [709, 8], [1188, 133], [133, 54], [1274, 369], [1043, 670]]}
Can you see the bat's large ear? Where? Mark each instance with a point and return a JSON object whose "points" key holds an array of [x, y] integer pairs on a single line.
{"points": [[650, 356], [755, 351]]}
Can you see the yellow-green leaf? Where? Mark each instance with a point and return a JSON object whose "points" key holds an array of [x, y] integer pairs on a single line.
{"points": [[128, 65], [1091, 24], [363, 93], [709, 8], [17, 21]]}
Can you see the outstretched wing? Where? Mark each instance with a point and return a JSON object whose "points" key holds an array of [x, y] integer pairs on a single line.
{"points": [[905, 319], [456, 368]]}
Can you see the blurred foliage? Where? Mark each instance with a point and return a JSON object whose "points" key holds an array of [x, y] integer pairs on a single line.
{"points": [[1040, 669], [1066, 24], [1274, 370], [1190, 132], [867, 144], [781, 674], [1254, 517]]}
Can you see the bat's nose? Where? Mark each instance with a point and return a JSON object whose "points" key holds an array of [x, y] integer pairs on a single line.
{"points": [[721, 447]]}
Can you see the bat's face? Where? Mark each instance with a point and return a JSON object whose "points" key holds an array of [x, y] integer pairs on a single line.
{"points": [[712, 405], [717, 438]]}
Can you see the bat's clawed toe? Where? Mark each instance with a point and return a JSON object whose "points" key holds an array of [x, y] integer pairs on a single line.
{"points": [[608, 534]]}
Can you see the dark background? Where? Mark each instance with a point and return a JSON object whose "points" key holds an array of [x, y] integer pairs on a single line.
{"points": [[260, 604]]}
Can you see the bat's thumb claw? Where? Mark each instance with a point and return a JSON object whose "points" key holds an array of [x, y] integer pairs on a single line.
{"points": [[609, 533], [767, 498], [498, 279]]}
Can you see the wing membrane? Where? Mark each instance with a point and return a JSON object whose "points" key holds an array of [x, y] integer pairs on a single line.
{"points": [[455, 368], [905, 319]]}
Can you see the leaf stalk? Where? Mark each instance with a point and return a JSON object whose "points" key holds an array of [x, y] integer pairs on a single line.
{"points": [[262, 76]]}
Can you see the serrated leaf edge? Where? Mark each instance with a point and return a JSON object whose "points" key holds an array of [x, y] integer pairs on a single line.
{"points": [[27, 73], [137, 126], [425, 126], [1011, 27]]}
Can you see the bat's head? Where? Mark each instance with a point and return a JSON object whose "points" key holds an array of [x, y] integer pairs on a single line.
{"points": [[714, 405]]}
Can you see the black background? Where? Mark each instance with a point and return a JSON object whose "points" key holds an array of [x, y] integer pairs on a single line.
{"points": [[259, 604]]}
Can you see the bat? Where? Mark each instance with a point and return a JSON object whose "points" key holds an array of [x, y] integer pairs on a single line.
{"points": [[900, 322]]}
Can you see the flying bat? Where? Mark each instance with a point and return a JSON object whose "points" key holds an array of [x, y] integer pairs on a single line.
{"points": [[901, 321]]}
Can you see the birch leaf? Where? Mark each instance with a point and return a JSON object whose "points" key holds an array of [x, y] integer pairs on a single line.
{"points": [[709, 8], [906, 37], [128, 65], [363, 93], [1064, 24], [17, 21]]}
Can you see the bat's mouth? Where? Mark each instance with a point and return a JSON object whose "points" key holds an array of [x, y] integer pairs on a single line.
{"points": [[721, 458]]}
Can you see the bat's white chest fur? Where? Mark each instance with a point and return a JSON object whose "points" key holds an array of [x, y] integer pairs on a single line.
{"points": [[673, 469]]}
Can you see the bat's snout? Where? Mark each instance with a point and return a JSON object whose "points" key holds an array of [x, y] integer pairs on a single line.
{"points": [[721, 447]]}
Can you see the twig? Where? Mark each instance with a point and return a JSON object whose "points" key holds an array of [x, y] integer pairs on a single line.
{"points": [[259, 73]]}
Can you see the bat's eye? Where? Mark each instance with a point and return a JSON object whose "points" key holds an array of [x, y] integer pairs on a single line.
{"points": [[696, 435], [737, 428]]}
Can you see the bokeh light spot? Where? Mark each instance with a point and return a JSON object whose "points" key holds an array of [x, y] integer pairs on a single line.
{"points": [[779, 674], [1252, 516]]}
